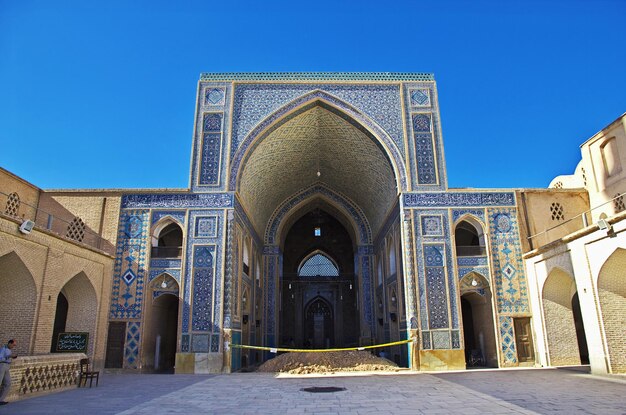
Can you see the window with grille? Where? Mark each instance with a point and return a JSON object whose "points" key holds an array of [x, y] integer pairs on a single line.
{"points": [[318, 265], [558, 185], [557, 211], [618, 203], [76, 229], [584, 176], [13, 205]]}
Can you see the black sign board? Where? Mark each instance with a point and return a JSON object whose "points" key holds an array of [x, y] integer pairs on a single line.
{"points": [[73, 342]]}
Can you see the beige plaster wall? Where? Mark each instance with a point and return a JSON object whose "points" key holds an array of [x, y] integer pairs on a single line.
{"points": [[535, 214]]}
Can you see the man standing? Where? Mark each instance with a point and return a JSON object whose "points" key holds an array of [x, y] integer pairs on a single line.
{"points": [[6, 354]]}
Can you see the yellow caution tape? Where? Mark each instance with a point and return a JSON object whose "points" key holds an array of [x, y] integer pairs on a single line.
{"points": [[282, 349]]}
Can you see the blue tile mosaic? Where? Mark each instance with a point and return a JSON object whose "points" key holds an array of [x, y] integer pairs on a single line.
{"points": [[458, 213], [200, 343], [420, 97], [426, 344], [508, 268], [186, 200], [184, 343], [206, 227], [421, 123], [437, 297], [130, 265], [177, 215], [365, 233], [431, 225], [433, 255], [210, 159], [441, 339], [165, 263], [202, 287], [157, 272], [507, 338], [214, 96], [453, 199], [131, 346]]}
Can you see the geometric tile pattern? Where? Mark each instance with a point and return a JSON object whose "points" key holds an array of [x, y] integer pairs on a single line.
{"points": [[202, 287], [508, 268], [206, 227], [441, 339], [426, 343], [424, 150], [130, 265], [211, 153], [420, 97], [437, 286], [432, 226], [456, 339], [131, 346], [214, 96], [437, 297], [184, 343], [200, 343], [508, 340]]}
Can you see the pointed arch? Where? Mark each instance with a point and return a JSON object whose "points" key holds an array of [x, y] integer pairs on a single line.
{"points": [[19, 296], [469, 236], [612, 297], [333, 104], [556, 294], [82, 301], [167, 238], [318, 260], [358, 222]]}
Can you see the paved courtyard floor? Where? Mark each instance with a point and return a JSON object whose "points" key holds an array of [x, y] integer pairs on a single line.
{"points": [[536, 391]]}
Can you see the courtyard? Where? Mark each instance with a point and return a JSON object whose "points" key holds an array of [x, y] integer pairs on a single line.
{"points": [[527, 391]]}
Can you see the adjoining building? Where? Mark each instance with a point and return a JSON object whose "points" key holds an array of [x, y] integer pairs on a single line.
{"points": [[318, 215]]}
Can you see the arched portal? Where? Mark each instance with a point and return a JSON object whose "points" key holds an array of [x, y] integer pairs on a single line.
{"points": [[318, 324], [19, 295], [321, 155], [161, 320], [60, 320], [557, 294], [478, 327], [167, 239], [612, 295], [318, 266]]}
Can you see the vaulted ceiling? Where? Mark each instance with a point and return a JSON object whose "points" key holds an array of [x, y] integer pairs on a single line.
{"points": [[287, 160]]}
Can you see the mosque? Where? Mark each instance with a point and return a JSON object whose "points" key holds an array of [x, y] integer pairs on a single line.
{"points": [[318, 215]]}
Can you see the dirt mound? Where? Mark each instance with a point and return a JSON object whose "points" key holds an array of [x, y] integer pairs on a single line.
{"points": [[327, 362]]}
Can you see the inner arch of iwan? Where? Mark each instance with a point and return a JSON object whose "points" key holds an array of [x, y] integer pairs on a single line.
{"points": [[318, 216]]}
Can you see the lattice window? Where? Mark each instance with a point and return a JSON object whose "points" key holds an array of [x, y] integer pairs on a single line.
{"points": [[558, 185], [557, 211], [76, 229], [318, 265], [13, 205], [618, 203]]}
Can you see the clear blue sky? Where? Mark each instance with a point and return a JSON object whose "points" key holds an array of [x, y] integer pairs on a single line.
{"points": [[101, 94]]}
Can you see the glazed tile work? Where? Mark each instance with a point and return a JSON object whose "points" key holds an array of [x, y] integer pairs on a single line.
{"points": [[266, 146]]}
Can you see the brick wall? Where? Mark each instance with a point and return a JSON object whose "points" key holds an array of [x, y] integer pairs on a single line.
{"points": [[612, 296], [559, 319]]}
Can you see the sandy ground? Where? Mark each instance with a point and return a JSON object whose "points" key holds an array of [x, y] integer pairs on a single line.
{"points": [[327, 362]]}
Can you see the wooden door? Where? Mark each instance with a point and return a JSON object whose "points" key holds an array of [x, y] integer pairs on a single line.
{"points": [[115, 345], [524, 340]]}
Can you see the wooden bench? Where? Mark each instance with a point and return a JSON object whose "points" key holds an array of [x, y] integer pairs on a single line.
{"points": [[87, 373]]}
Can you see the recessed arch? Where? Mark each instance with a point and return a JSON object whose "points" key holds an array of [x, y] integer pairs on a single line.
{"points": [[167, 238], [556, 294], [82, 305], [469, 236], [19, 294], [299, 204], [303, 103], [612, 297]]}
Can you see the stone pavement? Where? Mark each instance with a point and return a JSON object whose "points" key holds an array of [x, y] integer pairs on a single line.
{"points": [[543, 391]]}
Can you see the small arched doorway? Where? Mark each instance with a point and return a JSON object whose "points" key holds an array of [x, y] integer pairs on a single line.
{"points": [[60, 320], [478, 327], [469, 238], [161, 333], [318, 324]]}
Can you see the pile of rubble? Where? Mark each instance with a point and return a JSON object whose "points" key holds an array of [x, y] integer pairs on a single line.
{"points": [[327, 362]]}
